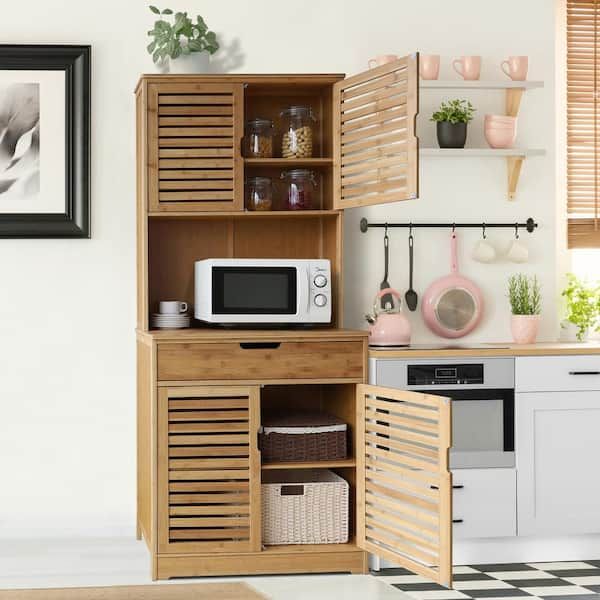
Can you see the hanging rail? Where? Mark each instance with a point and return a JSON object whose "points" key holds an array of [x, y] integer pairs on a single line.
{"points": [[529, 225]]}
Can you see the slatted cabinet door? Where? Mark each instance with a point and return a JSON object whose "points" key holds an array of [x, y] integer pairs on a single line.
{"points": [[208, 469], [404, 487], [375, 147], [194, 146]]}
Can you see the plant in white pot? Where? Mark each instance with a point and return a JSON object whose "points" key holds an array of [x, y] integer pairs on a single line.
{"points": [[583, 309], [526, 305], [181, 45]]}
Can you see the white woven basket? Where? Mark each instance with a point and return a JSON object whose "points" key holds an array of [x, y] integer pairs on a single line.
{"points": [[304, 507]]}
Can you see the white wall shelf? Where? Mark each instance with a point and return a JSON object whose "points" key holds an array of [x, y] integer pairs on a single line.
{"points": [[479, 84]]}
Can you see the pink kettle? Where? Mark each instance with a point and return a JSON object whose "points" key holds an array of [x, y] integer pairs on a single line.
{"points": [[388, 327]]}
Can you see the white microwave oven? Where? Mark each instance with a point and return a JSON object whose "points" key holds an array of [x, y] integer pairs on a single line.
{"points": [[258, 290]]}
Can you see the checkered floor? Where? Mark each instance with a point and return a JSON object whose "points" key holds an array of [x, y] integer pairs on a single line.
{"points": [[550, 581]]}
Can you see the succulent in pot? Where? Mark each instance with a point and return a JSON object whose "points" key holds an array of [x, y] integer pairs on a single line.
{"points": [[452, 118], [583, 309], [524, 294]]}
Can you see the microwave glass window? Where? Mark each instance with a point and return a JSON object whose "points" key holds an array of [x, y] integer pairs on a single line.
{"points": [[254, 290], [478, 425]]}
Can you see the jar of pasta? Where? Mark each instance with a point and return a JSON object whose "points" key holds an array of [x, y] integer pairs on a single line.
{"points": [[297, 132], [258, 138]]}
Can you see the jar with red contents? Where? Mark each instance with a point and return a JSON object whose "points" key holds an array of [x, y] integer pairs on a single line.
{"points": [[299, 189]]}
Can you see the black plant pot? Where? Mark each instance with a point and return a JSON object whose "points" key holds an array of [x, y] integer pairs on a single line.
{"points": [[451, 135]]}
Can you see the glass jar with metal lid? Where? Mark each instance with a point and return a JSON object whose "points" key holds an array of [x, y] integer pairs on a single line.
{"points": [[300, 188], [259, 193], [258, 138], [297, 132]]}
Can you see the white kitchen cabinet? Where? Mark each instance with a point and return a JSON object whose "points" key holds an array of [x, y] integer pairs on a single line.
{"points": [[558, 453], [557, 373]]}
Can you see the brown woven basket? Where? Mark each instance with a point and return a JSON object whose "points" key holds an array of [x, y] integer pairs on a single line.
{"points": [[303, 440]]}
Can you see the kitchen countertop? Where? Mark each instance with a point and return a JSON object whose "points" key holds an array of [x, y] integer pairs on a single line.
{"points": [[508, 349]]}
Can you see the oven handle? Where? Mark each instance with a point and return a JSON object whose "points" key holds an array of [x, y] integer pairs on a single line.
{"points": [[259, 345]]}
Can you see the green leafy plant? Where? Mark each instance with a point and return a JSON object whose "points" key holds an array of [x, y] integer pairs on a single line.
{"points": [[524, 293], [454, 111], [583, 304], [181, 36]]}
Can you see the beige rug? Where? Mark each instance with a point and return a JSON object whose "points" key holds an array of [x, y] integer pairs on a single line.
{"points": [[202, 591]]}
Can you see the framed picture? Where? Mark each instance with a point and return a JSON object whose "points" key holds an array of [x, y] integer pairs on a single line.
{"points": [[44, 141]]}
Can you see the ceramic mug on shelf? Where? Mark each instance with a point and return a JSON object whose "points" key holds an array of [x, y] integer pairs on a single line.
{"points": [[470, 67], [382, 59], [516, 67], [172, 307], [429, 66]]}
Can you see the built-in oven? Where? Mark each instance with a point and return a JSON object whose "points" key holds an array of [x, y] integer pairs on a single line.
{"points": [[483, 404]]}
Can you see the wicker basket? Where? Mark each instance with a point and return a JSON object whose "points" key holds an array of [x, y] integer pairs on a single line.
{"points": [[304, 507], [303, 437]]}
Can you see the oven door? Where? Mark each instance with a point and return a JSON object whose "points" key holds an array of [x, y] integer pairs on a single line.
{"points": [[483, 428], [255, 293]]}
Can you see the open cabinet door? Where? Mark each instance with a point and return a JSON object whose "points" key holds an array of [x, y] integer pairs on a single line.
{"points": [[375, 147], [404, 487]]}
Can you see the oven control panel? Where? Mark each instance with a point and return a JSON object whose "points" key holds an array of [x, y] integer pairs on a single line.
{"points": [[445, 374]]}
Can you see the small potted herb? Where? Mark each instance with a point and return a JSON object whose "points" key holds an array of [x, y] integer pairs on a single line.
{"points": [[452, 118], [583, 309], [180, 45], [526, 306]]}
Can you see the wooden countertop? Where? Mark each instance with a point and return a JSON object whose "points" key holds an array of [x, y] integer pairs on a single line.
{"points": [[240, 335], [508, 349]]}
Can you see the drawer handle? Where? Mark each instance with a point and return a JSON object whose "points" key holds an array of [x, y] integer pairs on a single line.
{"points": [[259, 345], [457, 520], [454, 487], [584, 372]]}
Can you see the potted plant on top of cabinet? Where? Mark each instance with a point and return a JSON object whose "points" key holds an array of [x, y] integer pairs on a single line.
{"points": [[583, 309], [183, 46], [452, 118], [526, 305]]}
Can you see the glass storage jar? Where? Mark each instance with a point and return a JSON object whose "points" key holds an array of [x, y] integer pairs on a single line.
{"points": [[259, 193], [258, 139], [299, 189], [297, 132]]}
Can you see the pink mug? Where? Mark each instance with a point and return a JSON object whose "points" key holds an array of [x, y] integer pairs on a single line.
{"points": [[470, 66], [382, 59], [429, 66], [516, 67]]}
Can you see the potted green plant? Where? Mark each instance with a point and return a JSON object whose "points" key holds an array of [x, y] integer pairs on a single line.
{"points": [[583, 309], [452, 118], [525, 299], [180, 45]]}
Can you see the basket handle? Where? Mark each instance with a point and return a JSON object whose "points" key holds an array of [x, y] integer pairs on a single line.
{"points": [[292, 490]]}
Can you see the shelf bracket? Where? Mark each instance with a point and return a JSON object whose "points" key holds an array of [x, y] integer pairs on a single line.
{"points": [[514, 164], [513, 101]]}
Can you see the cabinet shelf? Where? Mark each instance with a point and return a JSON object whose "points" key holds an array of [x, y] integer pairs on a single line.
{"points": [[244, 214], [349, 546], [288, 162], [318, 464], [480, 84]]}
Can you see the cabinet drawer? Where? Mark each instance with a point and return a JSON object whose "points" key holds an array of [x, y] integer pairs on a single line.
{"points": [[260, 361], [557, 373], [484, 503]]}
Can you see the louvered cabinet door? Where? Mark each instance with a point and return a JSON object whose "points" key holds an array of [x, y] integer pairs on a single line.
{"points": [[194, 147], [375, 146], [208, 470], [404, 487]]}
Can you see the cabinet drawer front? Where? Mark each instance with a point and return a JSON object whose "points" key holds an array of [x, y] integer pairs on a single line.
{"points": [[557, 373], [261, 361], [484, 503]]}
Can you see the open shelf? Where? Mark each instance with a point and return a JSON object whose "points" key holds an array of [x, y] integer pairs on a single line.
{"points": [[244, 214], [317, 464], [483, 152], [480, 84], [289, 162], [350, 546]]}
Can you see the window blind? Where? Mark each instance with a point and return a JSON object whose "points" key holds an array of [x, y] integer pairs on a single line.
{"points": [[583, 127]]}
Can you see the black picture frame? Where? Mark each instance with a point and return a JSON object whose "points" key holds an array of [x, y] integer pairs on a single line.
{"points": [[75, 61]]}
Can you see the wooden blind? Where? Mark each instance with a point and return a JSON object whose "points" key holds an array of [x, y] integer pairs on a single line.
{"points": [[583, 131]]}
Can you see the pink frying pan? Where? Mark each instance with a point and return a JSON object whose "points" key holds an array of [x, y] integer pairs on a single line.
{"points": [[452, 305]]}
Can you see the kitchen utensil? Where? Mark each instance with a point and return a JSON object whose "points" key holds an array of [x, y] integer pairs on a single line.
{"points": [[388, 327], [484, 252], [385, 284], [517, 251], [172, 307], [411, 297], [429, 66], [382, 59], [516, 67], [470, 66], [452, 305]]}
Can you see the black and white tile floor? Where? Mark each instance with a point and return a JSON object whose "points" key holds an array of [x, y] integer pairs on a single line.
{"points": [[551, 581]]}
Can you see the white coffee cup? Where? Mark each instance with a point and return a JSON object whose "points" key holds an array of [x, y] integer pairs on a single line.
{"points": [[172, 307], [517, 252], [484, 252]]}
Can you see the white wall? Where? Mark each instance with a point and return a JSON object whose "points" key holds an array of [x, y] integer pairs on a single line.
{"points": [[67, 435]]}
